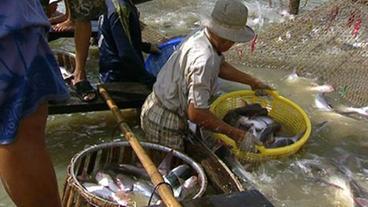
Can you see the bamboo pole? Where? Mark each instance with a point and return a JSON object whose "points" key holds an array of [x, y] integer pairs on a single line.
{"points": [[164, 191]]}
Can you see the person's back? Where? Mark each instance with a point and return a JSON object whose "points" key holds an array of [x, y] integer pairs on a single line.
{"points": [[196, 59], [120, 44]]}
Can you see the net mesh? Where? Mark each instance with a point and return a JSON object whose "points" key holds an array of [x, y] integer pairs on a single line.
{"points": [[329, 43]]}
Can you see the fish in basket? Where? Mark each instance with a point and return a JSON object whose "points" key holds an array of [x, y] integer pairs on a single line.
{"points": [[279, 123], [111, 175]]}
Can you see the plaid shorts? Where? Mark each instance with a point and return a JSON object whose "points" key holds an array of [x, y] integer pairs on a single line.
{"points": [[86, 10], [162, 126]]}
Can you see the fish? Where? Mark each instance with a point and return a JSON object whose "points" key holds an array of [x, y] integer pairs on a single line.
{"points": [[131, 169], [360, 194], [189, 187], [284, 141], [124, 182], [262, 127], [165, 165], [178, 175], [326, 88], [145, 188], [254, 119], [236, 167], [232, 117], [98, 190], [105, 193], [317, 128], [363, 111], [321, 103], [106, 180], [292, 76], [315, 169]]}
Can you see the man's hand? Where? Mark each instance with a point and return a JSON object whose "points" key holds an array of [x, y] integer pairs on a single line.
{"points": [[154, 49], [260, 88], [248, 143]]}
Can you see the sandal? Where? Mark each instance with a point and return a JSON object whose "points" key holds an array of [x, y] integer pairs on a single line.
{"points": [[85, 91]]}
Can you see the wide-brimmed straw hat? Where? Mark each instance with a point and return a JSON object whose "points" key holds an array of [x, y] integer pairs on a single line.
{"points": [[229, 21]]}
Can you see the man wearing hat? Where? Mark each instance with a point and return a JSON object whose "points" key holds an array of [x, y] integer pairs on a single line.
{"points": [[187, 81]]}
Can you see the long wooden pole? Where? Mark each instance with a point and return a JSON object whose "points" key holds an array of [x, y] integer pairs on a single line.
{"points": [[156, 178]]}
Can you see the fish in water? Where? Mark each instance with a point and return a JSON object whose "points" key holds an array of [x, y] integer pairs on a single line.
{"points": [[321, 103], [316, 169], [353, 110], [360, 194]]}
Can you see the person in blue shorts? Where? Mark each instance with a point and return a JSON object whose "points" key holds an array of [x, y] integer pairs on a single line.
{"points": [[29, 78], [121, 45]]}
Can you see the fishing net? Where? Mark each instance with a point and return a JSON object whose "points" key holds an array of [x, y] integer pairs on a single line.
{"points": [[328, 43]]}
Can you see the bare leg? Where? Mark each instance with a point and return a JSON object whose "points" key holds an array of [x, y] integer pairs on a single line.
{"points": [[82, 36], [25, 166]]}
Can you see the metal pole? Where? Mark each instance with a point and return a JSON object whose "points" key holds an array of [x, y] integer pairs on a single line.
{"points": [[164, 191]]}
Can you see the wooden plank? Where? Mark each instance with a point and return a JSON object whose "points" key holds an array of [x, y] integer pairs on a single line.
{"points": [[251, 198], [221, 177], [126, 95]]}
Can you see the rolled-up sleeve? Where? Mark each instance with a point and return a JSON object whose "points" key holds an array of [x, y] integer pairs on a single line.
{"points": [[201, 79]]}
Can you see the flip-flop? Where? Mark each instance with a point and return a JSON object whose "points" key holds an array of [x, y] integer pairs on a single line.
{"points": [[84, 90]]}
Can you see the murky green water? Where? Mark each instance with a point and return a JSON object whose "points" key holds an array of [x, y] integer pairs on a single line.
{"points": [[282, 181]]}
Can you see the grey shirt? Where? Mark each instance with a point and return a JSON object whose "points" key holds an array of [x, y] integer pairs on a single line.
{"points": [[190, 75]]}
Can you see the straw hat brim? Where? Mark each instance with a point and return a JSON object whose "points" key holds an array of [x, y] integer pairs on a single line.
{"points": [[243, 34]]}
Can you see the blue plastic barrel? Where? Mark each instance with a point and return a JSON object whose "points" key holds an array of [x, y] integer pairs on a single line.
{"points": [[154, 63]]}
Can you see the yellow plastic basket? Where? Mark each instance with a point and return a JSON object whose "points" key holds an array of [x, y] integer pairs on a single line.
{"points": [[281, 109]]}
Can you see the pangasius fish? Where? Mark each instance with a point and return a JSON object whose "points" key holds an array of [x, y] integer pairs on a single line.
{"points": [[106, 180], [104, 192], [284, 141], [124, 182], [178, 175], [360, 194], [165, 165], [189, 187]]}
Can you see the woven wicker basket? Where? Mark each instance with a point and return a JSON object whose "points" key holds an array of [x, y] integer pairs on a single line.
{"points": [[97, 157], [281, 109]]}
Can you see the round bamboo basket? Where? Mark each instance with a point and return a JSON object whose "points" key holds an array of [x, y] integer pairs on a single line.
{"points": [[96, 157]]}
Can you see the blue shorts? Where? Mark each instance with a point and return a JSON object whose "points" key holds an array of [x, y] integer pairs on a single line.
{"points": [[29, 75]]}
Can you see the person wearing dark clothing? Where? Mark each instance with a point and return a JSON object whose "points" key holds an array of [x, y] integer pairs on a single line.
{"points": [[121, 46]]}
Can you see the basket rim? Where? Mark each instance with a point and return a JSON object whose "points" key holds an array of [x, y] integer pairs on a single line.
{"points": [[266, 152], [74, 181]]}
